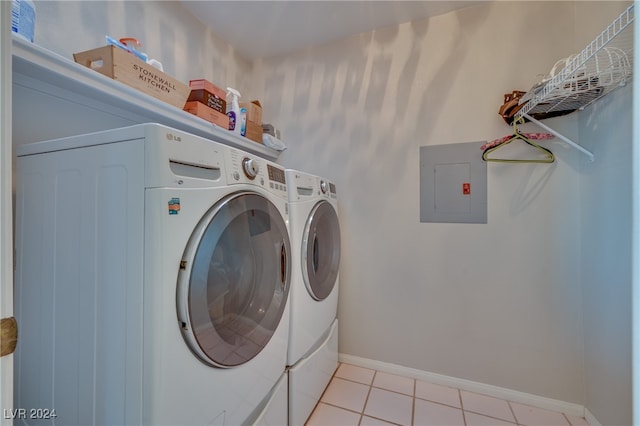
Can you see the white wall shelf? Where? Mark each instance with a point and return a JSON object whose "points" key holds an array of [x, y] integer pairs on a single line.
{"points": [[46, 72], [601, 67]]}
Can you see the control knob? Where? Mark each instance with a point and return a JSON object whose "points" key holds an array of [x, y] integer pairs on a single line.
{"points": [[324, 187], [250, 168]]}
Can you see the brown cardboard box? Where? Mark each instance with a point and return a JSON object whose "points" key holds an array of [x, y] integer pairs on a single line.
{"points": [[121, 65], [209, 87], [209, 99], [208, 113], [254, 132], [254, 112]]}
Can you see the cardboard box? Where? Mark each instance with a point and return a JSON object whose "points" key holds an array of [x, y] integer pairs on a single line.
{"points": [[203, 84], [125, 67], [209, 99], [207, 113], [254, 112], [254, 132]]}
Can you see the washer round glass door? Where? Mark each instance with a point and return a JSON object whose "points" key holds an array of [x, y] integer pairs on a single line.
{"points": [[234, 280], [321, 250]]}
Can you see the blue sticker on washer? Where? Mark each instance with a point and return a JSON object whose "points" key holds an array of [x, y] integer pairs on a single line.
{"points": [[174, 206]]}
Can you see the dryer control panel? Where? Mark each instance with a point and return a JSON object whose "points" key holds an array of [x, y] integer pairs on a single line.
{"points": [[304, 186], [328, 189]]}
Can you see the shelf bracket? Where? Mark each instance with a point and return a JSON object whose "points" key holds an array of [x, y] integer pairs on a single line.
{"points": [[564, 138]]}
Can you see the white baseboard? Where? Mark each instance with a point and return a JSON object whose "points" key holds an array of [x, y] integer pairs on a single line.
{"points": [[468, 385]]}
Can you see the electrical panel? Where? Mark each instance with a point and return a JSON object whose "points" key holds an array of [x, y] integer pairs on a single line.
{"points": [[453, 183]]}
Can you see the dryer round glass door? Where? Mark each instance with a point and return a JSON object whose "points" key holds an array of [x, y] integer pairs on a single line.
{"points": [[234, 280], [321, 250]]}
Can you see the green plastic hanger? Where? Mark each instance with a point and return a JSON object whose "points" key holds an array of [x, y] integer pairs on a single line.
{"points": [[548, 155]]}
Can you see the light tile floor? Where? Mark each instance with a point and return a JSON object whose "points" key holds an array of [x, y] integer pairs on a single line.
{"points": [[361, 396]]}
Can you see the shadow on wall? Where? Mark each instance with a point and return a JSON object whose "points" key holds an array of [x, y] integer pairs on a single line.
{"points": [[193, 51], [448, 72], [361, 108], [168, 32], [94, 18], [531, 185]]}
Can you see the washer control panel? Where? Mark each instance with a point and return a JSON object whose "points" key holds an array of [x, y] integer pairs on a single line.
{"points": [[245, 168], [276, 174]]}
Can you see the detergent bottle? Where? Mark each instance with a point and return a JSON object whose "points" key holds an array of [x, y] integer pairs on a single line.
{"points": [[23, 18], [233, 111]]}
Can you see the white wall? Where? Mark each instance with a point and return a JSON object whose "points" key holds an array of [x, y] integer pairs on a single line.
{"points": [[606, 258], [605, 128], [187, 49], [499, 303]]}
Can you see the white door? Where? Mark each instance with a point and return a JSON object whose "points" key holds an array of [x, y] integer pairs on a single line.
{"points": [[6, 233], [635, 307], [321, 250], [234, 280]]}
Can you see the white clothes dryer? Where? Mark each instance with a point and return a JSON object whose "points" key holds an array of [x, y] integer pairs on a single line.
{"points": [[313, 336], [152, 280]]}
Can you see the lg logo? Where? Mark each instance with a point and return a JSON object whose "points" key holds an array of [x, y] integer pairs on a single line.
{"points": [[172, 137]]}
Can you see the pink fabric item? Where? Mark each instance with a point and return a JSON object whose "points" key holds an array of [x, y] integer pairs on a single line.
{"points": [[532, 136]]}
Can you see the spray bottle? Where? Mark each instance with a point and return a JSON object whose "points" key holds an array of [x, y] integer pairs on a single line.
{"points": [[233, 111]]}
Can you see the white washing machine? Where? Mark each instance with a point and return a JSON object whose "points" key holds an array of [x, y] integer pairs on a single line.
{"points": [[152, 281], [313, 336]]}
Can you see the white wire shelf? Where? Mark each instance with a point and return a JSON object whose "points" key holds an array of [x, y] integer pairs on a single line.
{"points": [[577, 81]]}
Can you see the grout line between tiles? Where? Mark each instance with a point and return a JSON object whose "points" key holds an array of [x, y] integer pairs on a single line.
{"points": [[333, 376], [399, 393], [566, 417], [341, 408], [378, 418], [513, 413], [464, 415], [413, 402], [353, 381], [491, 417], [392, 391], [366, 401]]}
